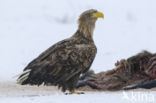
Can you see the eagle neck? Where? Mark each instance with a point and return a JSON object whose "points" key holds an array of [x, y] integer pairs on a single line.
{"points": [[87, 29], [81, 36]]}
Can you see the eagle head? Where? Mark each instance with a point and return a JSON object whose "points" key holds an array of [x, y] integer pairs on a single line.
{"points": [[87, 21], [90, 15]]}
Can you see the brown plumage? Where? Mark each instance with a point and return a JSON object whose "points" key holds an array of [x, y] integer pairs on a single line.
{"points": [[63, 62]]}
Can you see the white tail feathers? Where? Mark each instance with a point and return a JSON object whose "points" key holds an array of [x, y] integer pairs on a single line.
{"points": [[24, 76]]}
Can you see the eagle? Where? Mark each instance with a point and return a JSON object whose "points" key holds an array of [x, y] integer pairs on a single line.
{"points": [[64, 62]]}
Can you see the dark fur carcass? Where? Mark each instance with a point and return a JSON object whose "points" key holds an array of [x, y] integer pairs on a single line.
{"points": [[63, 63], [135, 72]]}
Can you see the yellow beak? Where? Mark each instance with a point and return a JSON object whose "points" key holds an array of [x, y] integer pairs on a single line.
{"points": [[98, 15]]}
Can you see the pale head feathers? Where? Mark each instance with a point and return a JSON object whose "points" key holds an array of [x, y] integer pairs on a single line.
{"points": [[86, 22]]}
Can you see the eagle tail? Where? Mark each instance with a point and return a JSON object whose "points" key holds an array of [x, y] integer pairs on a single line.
{"points": [[24, 76]]}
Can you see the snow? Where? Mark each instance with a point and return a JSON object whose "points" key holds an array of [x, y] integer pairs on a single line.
{"points": [[11, 92], [28, 27], [57, 98]]}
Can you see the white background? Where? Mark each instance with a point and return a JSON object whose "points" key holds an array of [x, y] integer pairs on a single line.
{"points": [[28, 27]]}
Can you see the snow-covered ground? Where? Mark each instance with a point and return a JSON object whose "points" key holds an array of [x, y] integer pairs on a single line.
{"points": [[28, 27], [14, 93]]}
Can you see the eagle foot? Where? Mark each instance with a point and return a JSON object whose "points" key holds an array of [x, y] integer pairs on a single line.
{"points": [[74, 92]]}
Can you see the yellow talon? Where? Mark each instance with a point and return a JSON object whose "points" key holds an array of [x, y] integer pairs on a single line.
{"points": [[75, 92]]}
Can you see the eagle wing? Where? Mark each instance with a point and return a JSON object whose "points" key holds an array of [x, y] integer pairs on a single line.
{"points": [[61, 62], [62, 44]]}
